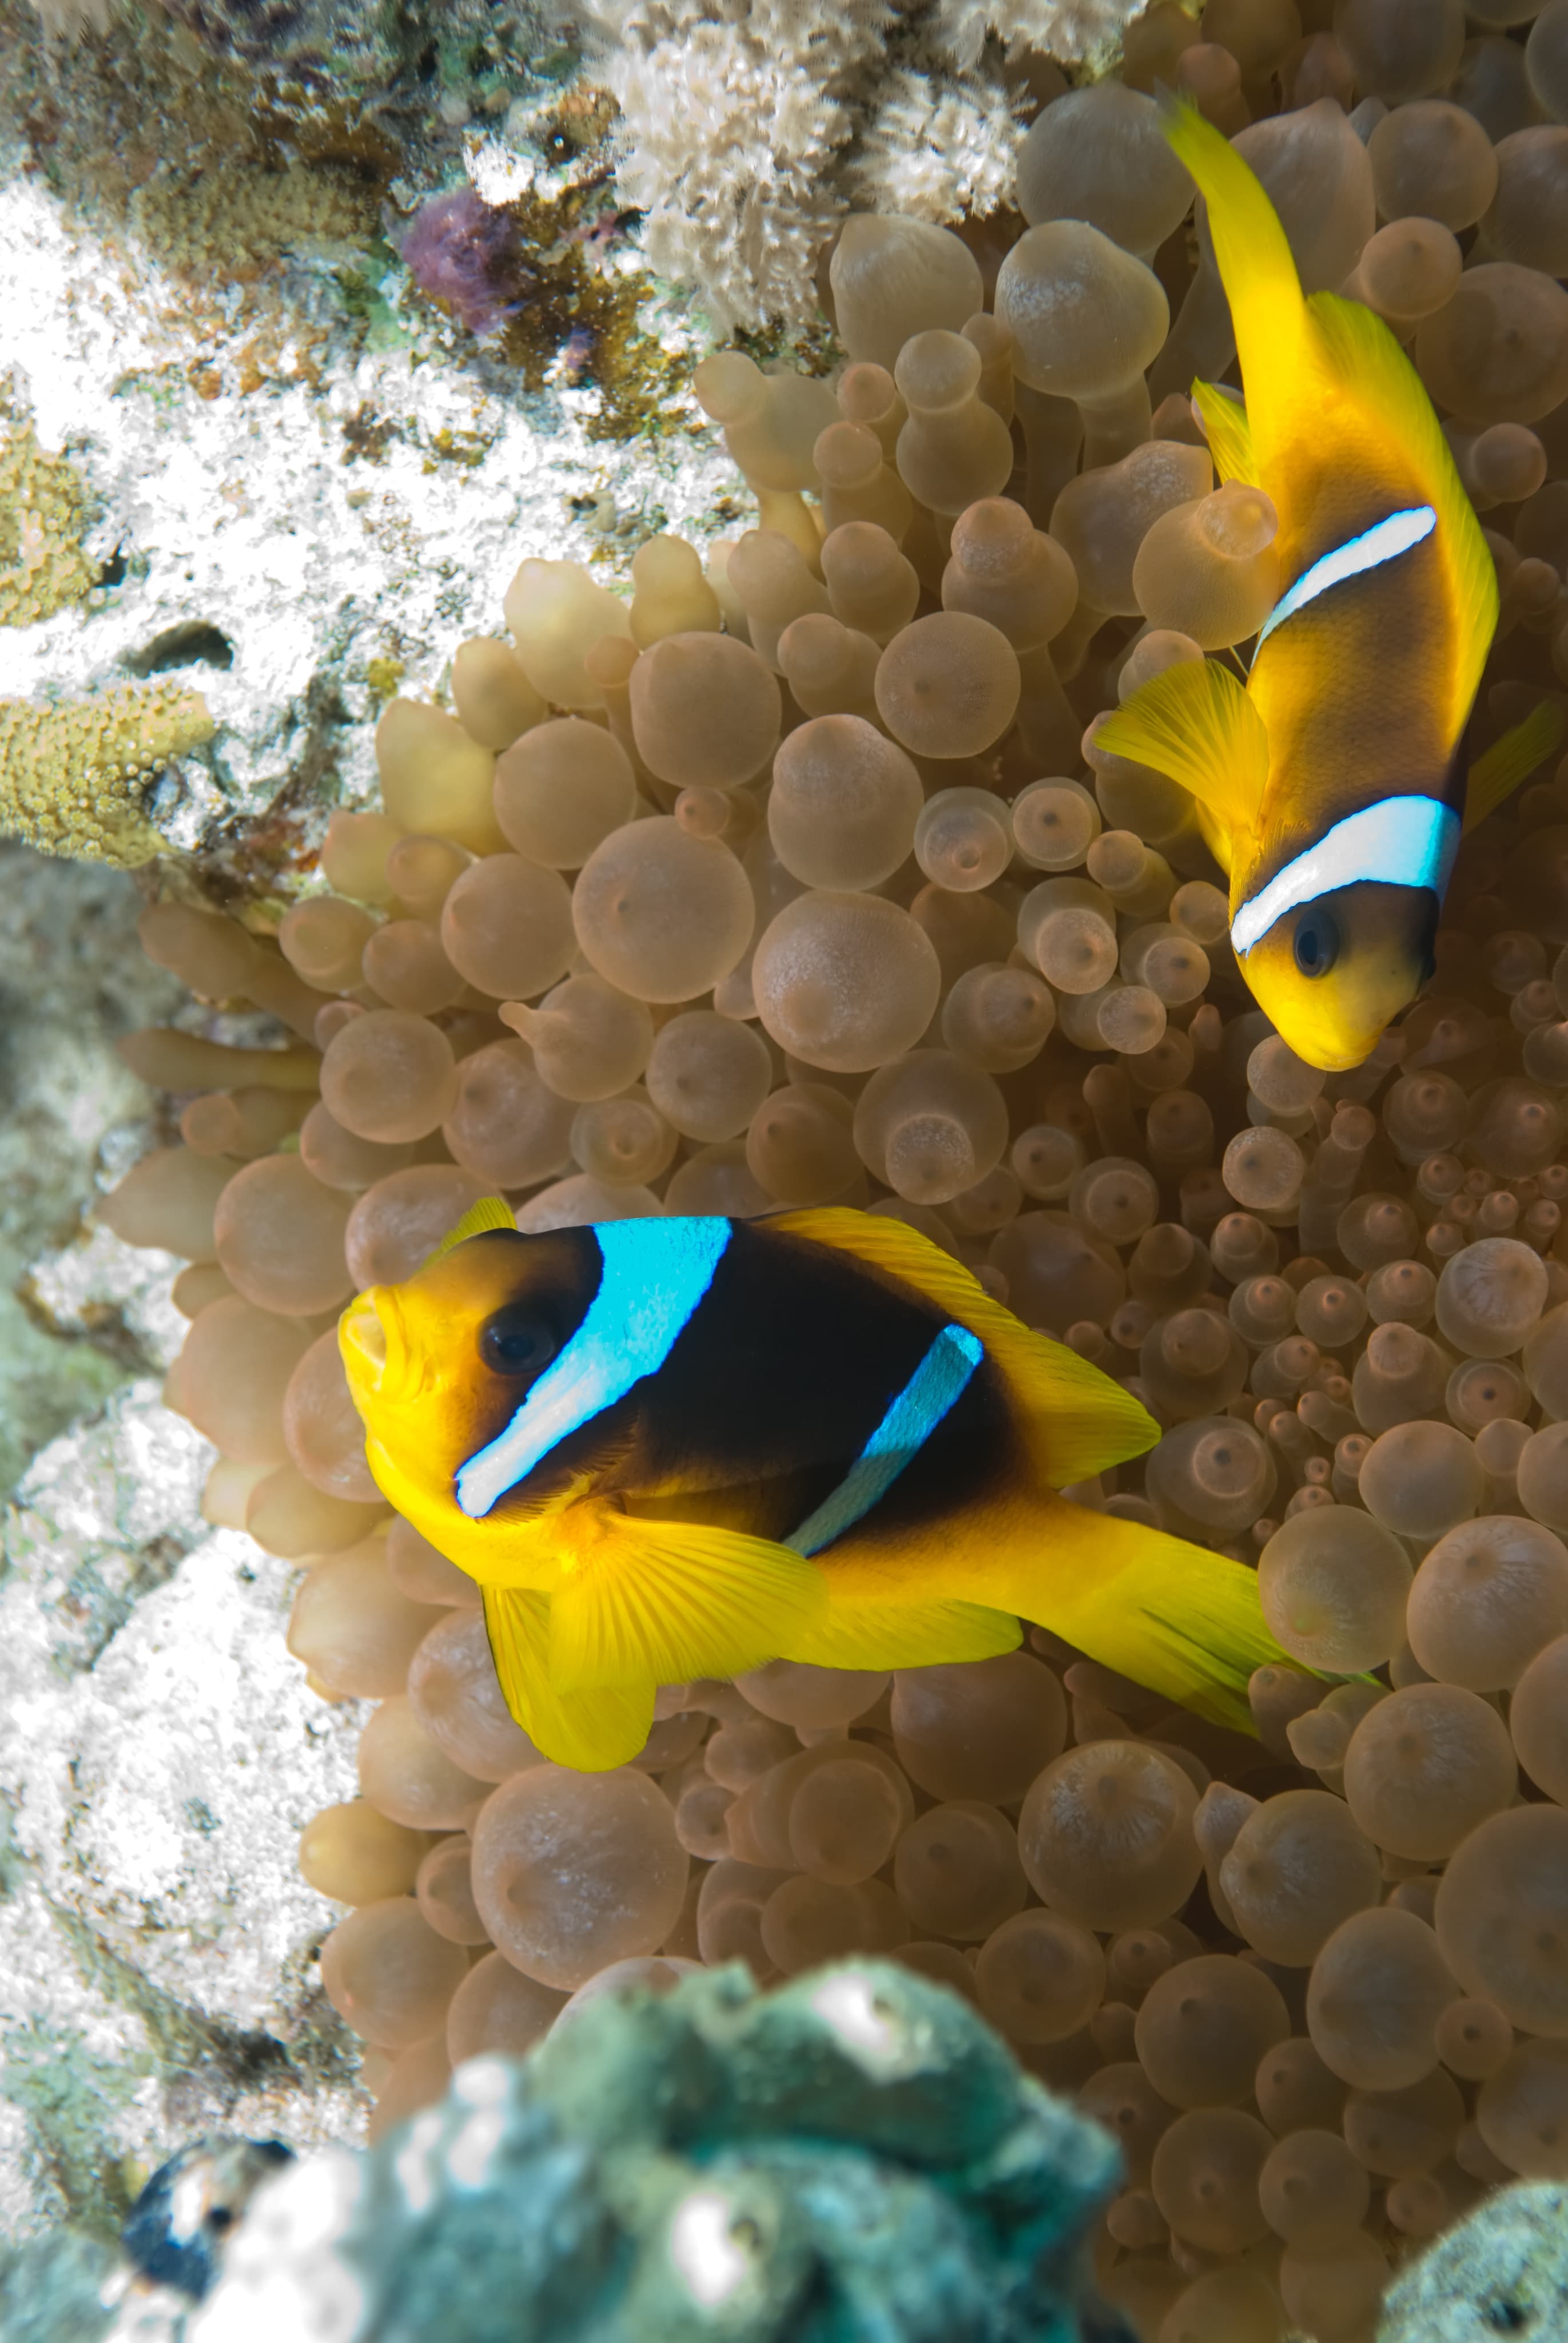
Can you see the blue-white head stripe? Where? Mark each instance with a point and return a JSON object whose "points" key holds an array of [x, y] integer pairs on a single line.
{"points": [[1406, 841], [655, 1274], [937, 1385], [1373, 547]]}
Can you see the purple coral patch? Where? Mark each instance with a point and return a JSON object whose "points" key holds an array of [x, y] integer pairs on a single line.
{"points": [[468, 254]]}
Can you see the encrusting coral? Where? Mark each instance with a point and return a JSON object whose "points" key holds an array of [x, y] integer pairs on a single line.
{"points": [[799, 877], [228, 226], [42, 510], [73, 776]]}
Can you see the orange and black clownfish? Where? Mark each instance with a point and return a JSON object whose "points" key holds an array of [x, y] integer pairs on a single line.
{"points": [[669, 1448], [1330, 787]]}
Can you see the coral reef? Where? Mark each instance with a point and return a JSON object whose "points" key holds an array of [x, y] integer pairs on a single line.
{"points": [[798, 876], [296, 472]]}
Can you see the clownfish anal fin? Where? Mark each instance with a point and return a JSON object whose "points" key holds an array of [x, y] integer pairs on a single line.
{"points": [[641, 1599], [1510, 760], [590, 1730], [1368, 367], [1227, 430], [1079, 1421], [489, 1213], [1195, 722], [905, 1635]]}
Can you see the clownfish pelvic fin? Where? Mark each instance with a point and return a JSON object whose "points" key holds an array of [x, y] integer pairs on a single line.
{"points": [[593, 1730], [1512, 760]]}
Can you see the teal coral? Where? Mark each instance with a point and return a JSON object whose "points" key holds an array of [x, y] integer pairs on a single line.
{"points": [[852, 2157]]}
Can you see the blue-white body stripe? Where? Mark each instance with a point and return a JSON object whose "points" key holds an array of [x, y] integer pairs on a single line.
{"points": [[655, 1274], [1375, 546], [935, 1388], [1403, 842]]}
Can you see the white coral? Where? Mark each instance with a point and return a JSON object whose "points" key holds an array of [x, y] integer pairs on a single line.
{"points": [[1074, 32], [748, 127], [938, 151], [733, 118], [64, 20]]}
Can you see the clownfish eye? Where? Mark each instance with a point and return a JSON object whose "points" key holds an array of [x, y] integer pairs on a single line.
{"points": [[1317, 941], [516, 1341]]}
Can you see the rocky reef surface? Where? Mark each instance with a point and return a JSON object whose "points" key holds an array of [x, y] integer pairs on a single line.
{"points": [[240, 454], [158, 1749]]}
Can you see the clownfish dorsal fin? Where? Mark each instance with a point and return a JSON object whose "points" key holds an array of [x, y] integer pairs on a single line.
{"points": [[1195, 722], [1254, 256], [489, 1213], [1084, 1422], [665, 1601], [591, 1731], [1510, 760], [1366, 368], [1227, 430]]}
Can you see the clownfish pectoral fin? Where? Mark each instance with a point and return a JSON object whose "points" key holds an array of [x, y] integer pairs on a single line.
{"points": [[1080, 1423], [658, 1602], [489, 1213], [1227, 430], [1195, 722], [1510, 760], [590, 1730], [1366, 367]]}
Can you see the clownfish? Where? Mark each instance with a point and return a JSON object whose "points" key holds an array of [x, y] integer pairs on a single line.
{"points": [[1328, 788], [670, 1448]]}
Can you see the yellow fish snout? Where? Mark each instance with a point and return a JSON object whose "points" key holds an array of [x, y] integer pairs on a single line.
{"points": [[374, 1358]]}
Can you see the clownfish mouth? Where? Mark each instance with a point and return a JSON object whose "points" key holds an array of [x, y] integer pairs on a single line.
{"points": [[363, 1338]]}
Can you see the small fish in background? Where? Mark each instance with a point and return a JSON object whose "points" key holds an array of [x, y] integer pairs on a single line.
{"points": [[1329, 787], [670, 1448]]}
